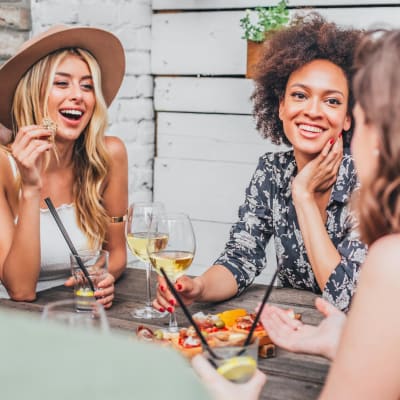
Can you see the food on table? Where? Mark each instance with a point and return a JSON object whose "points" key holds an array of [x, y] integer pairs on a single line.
{"points": [[229, 328], [229, 316]]}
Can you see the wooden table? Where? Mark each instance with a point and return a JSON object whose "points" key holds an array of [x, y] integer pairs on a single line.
{"points": [[290, 376]]}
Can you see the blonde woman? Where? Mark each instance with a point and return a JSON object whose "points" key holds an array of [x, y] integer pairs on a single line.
{"points": [[55, 92]]}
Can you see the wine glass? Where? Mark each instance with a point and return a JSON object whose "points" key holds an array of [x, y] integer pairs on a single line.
{"points": [[137, 227], [177, 254]]}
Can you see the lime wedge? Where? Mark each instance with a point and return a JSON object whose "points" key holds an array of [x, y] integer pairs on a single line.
{"points": [[84, 293], [238, 369]]}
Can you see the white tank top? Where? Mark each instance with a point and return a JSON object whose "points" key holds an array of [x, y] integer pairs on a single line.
{"points": [[54, 251]]}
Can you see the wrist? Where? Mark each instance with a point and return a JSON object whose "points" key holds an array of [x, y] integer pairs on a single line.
{"points": [[31, 192], [200, 285]]}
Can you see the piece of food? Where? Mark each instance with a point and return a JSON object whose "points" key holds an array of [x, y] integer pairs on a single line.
{"points": [[47, 123], [238, 369], [229, 317]]}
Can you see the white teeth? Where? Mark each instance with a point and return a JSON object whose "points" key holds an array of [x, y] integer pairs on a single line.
{"points": [[72, 112], [310, 128]]}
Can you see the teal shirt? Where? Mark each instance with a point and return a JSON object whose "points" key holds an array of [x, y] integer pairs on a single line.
{"points": [[46, 361]]}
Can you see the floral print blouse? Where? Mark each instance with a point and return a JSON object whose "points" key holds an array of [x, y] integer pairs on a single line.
{"points": [[269, 211]]}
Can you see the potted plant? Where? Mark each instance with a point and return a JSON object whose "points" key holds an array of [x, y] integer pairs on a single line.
{"points": [[257, 25]]}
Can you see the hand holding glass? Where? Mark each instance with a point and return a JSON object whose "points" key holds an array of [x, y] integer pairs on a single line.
{"points": [[177, 254]]}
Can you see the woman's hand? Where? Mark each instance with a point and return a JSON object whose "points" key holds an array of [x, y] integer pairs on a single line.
{"points": [[105, 292], [221, 388], [297, 337], [319, 174], [188, 288], [30, 143]]}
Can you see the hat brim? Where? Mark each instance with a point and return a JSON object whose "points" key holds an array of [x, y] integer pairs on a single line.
{"points": [[103, 45]]}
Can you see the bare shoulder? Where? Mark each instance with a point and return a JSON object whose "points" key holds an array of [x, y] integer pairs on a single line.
{"points": [[383, 258], [115, 146]]}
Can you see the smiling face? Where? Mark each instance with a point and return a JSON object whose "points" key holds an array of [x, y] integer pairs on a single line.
{"points": [[71, 99], [314, 107]]}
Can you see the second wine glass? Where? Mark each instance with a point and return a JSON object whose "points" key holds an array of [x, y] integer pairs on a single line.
{"points": [[137, 227], [176, 257]]}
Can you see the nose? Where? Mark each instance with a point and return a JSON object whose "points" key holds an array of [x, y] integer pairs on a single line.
{"points": [[76, 92], [313, 108]]}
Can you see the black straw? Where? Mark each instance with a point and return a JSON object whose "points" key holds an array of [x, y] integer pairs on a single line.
{"points": [[68, 240], [188, 315], [264, 300]]}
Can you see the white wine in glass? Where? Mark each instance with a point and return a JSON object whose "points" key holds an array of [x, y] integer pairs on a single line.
{"points": [[137, 237], [177, 255]]}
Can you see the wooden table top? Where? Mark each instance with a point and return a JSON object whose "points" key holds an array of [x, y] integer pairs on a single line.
{"points": [[290, 376]]}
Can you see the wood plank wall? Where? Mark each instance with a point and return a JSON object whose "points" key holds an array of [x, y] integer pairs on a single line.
{"points": [[207, 144]]}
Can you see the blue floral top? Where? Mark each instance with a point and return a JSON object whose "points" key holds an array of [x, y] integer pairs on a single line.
{"points": [[268, 211]]}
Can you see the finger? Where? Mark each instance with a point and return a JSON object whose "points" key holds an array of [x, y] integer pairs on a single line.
{"points": [[70, 282], [205, 370], [325, 308], [106, 301], [105, 292], [327, 148], [184, 284], [256, 383], [162, 299], [156, 305], [108, 281]]}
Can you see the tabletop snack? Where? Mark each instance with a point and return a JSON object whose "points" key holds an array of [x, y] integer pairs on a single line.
{"points": [[226, 329]]}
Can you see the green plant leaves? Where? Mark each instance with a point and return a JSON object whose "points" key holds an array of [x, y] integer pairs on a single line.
{"points": [[256, 25]]}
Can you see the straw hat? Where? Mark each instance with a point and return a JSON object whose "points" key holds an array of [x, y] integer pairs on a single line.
{"points": [[103, 45]]}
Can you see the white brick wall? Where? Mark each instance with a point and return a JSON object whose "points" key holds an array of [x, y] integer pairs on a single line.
{"points": [[131, 114]]}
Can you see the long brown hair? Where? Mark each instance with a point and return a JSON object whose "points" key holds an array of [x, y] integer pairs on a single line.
{"points": [[377, 90], [90, 156]]}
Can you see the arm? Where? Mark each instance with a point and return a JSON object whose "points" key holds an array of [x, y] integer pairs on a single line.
{"points": [[19, 270], [367, 363], [115, 200], [310, 203], [244, 255]]}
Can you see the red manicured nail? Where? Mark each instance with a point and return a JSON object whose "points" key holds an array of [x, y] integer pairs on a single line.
{"points": [[162, 288], [170, 309], [161, 309], [172, 302], [331, 140], [179, 286]]}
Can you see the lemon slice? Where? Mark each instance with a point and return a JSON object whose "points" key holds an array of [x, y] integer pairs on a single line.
{"points": [[85, 293], [238, 369]]}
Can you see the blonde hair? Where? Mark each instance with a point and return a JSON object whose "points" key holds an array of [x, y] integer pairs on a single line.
{"points": [[90, 157], [377, 90]]}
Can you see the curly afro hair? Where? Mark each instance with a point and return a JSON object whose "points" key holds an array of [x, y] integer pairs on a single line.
{"points": [[308, 38]]}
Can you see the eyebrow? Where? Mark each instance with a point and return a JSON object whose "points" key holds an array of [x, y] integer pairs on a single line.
{"points": [[69, 75], [330, 91]]}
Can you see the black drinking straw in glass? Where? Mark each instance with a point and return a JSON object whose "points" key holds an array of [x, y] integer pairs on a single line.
{"points": [[264, 300], [71, 246], [188, 315]]}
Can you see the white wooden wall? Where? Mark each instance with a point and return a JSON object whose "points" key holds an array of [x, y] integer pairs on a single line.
{"points": [[207, 145]]}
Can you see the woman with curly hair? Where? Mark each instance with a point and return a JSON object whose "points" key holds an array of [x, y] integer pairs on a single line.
{"points": [[365, 346], [302, 98], [55, 92]]}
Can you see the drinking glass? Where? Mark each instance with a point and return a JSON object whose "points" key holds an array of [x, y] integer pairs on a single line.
{"points": [[137, 227], [96, 264], [177, 254], [236, 363], [65, 312]]}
